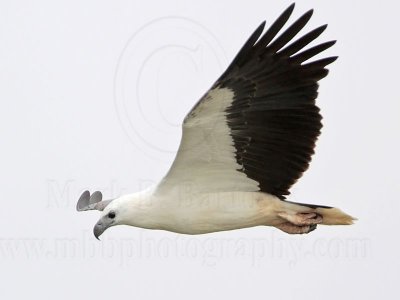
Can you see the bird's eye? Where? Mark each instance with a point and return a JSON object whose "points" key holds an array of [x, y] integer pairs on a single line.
{"points": [[111, 215]]}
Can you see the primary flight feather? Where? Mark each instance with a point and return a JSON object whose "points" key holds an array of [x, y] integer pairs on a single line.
{"points": [[244, 144]]}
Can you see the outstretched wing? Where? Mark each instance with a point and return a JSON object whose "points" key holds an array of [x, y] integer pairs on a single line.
{"points": [[91, 202], [256, 128]]}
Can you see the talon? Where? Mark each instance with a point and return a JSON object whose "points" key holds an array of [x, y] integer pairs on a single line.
{"points": [[312, 227]]}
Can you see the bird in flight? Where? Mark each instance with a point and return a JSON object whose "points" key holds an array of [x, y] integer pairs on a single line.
{"points": [[244, 144]]}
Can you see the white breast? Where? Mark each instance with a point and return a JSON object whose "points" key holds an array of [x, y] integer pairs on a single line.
{"points": [[210, 212]]}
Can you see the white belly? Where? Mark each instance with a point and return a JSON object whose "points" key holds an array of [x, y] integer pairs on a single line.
{"points": [[203, 213]]}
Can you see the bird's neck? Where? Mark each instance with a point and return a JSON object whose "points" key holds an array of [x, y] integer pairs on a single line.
{"points": [[142, 209]]}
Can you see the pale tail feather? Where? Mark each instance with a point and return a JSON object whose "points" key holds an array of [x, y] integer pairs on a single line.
{"points": [[330, 215], [334, 216]]}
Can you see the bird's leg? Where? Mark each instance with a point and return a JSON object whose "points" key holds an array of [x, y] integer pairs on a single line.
{"points": [[299, 223], [301, 219]]}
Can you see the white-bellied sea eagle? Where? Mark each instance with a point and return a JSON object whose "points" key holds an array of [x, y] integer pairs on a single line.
{"points": [[244, 144]]}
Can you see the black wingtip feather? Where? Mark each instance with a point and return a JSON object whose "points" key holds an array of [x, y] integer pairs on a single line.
{"points": [[259, 29], [237, 61], [275, 28], [321, 63], [291, 32], [302, 42], [309, 53]]}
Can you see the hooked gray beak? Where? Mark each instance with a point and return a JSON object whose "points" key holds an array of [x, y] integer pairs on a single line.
{"points": [[100, 227]]}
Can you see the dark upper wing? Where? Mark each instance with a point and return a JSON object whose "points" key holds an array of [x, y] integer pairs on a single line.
{"points": [[273, 118], [266, 98]]}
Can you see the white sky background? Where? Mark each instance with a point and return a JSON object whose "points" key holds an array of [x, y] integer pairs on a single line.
{"points": [[79, 112]]}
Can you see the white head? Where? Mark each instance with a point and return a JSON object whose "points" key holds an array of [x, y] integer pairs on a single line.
{"points": [[134, 210], [113, 214]]}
